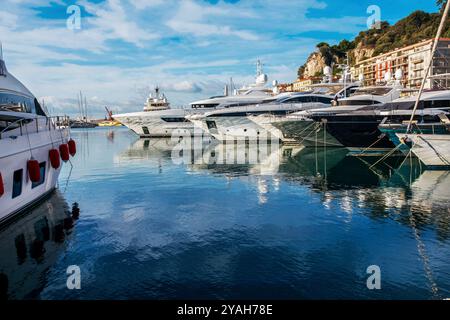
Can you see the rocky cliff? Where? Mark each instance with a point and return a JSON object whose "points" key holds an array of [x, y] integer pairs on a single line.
{"points": [[416, 27]]}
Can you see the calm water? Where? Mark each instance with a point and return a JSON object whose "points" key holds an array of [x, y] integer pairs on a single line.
{"points": [[304, 228]]}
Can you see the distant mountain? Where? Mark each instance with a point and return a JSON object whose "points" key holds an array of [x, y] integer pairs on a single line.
{"points": [[416, 27]]}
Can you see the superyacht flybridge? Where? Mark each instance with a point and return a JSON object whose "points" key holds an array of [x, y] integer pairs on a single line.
{"points": [[32, 145], [158, 119]]}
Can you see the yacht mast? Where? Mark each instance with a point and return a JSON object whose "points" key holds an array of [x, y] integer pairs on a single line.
{"points": [[427, 70], [3, 71]]}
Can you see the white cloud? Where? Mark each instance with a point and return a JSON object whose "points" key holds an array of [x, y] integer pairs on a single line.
{"points": [[111, 19], [126, 47], [195, 19], [144, 4]]}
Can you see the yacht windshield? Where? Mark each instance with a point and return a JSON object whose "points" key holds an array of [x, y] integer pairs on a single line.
{"points": [[327, 90], [376, 91], [16, 103]]}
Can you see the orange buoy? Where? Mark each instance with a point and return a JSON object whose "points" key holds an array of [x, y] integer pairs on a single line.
{"points": [[64, 151], [55, 160], [34, 172], [72, 147], [2, 188]]}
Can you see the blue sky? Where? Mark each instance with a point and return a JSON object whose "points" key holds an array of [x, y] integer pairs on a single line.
{"points": [[189, 47]]}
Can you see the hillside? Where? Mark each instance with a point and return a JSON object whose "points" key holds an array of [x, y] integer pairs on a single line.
{"points": [[414, 28]]}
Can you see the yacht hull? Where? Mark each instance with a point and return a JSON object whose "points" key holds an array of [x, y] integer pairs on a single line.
{"points": [[432, 149], [235, 128], [159, 124], [20, 192], [357, 132], [251, 122], [306, 132]]}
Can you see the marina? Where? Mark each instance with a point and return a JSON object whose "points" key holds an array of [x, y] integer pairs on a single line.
{"points": [[234, 231], [158, 186]]}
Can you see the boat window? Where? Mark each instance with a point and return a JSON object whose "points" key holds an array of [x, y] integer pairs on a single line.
{"points": [[145, 129], [3, 72], [174, 119], [42, 171], [323, 100], [300, 99], [327, 90], [377, 91], [211, 124], [201, 106], [348, 92], [17, 183], [38, 109], [15, 103], [437, 104], [356, 102]]}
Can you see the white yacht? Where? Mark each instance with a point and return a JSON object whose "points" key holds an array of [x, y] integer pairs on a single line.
{"points": [[249, 121], [163, 121], [32, 145]]}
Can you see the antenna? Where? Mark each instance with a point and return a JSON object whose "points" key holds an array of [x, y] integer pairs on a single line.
{"points": [[3, 71], [259, 68]]}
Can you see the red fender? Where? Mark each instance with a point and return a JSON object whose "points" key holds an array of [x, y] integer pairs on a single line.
{"points": [[64, 151], [55, 160], [72, 147], [2, 187], [34, 172]]}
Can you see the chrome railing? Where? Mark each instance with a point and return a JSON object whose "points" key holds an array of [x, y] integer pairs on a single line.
{"points": [[35, 125]]}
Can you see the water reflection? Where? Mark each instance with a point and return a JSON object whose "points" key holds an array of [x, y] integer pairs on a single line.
{"points": [[31, 244], [297, 223], [394, 188]]}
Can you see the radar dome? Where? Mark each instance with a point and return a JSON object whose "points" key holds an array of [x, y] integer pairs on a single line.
{"points": [[388, 76], [261, 79], [399, 74]]}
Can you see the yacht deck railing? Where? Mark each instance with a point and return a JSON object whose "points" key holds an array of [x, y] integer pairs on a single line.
{"points": [[40, 124]]}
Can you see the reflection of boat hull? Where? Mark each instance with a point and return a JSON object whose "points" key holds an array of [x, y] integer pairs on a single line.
{"points": [[31, 245], [163, 149]]}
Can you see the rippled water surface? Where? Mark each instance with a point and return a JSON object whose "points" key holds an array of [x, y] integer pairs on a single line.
{"points": [[300, 224]]}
